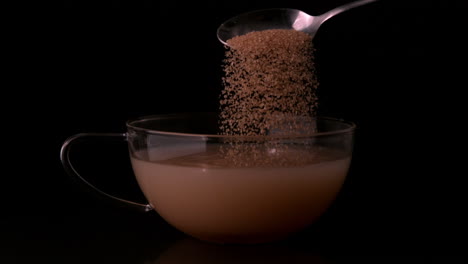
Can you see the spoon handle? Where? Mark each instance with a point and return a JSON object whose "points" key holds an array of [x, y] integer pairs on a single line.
{"points": [[335, 11]]}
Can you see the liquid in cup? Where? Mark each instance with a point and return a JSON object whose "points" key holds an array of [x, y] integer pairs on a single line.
{"points": [[205, 196]]}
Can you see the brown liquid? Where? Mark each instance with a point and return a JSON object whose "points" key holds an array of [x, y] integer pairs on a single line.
{"points": [[201, 195]]}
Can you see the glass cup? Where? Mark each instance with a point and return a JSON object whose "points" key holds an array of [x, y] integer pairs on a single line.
{"points": [[232, 189]]}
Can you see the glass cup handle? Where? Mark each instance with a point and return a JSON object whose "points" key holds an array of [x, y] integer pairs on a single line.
{"points": [[65, 158]]}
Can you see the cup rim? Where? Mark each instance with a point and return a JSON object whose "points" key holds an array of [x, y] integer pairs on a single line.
{"points": [[351, 126]]}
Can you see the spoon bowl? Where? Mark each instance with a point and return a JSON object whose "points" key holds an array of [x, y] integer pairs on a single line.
{"points": [[279, 18]]}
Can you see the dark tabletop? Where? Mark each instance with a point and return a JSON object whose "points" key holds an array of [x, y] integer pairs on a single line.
{"points": [[380, 66]]}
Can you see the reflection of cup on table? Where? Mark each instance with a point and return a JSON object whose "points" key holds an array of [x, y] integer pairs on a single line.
{"points": [[233, 189], [193, 251]]}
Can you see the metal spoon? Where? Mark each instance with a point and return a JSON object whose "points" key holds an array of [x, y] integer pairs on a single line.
{"points": [[279, 18]]}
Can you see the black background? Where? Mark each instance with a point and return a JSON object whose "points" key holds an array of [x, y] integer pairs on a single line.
{"points": [[388, 67]]}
